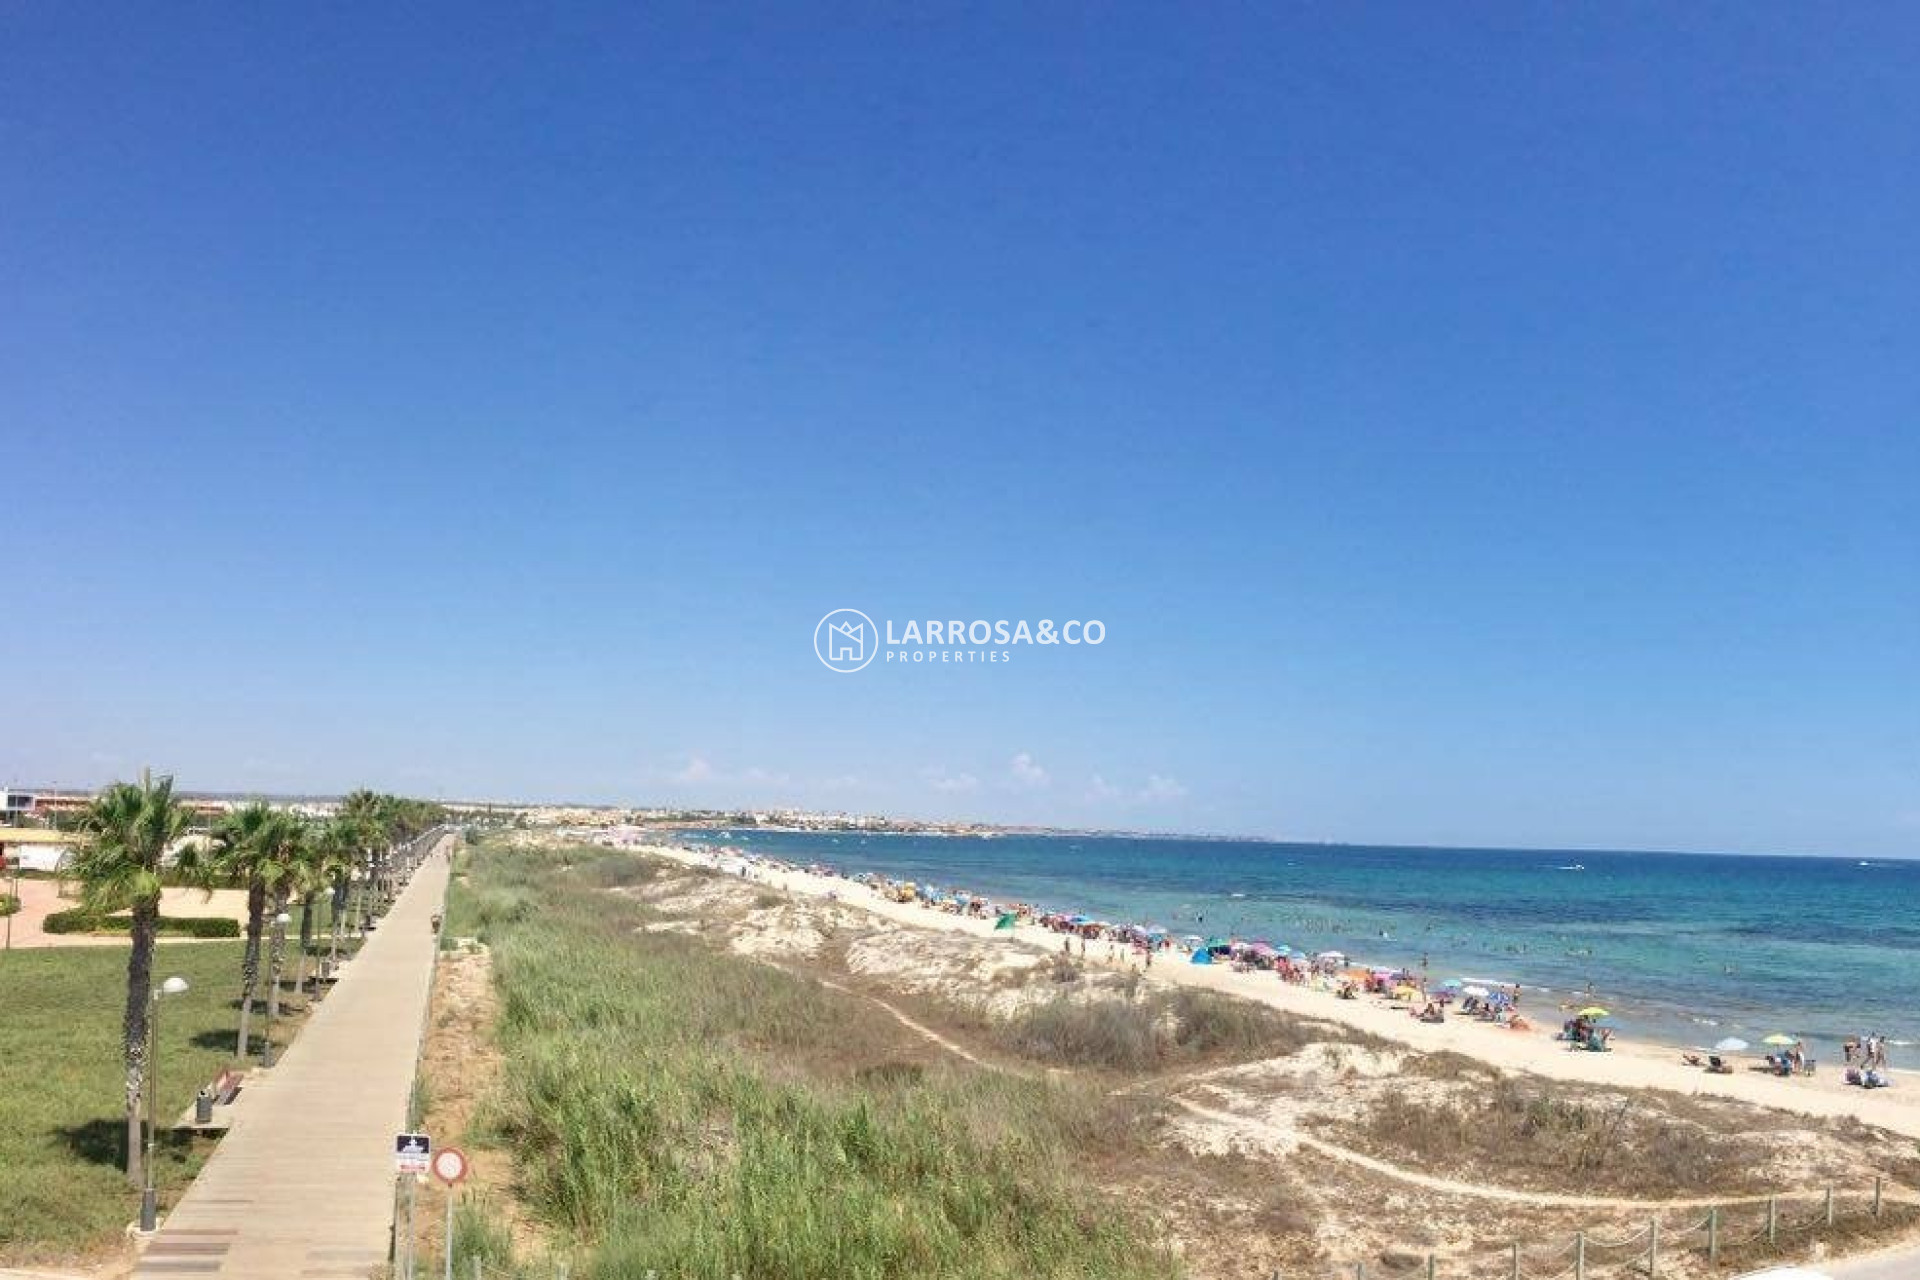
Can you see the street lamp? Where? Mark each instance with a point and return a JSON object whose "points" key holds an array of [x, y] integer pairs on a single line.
{"points": [[149, 1199], [273, 997]]}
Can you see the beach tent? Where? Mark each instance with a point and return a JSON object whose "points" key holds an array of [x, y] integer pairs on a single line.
{"points": [[1006, 920], [1202, 956]]}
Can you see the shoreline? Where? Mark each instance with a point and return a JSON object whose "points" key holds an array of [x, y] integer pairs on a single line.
{"points": [[1665, 980], [1631, 1065]]}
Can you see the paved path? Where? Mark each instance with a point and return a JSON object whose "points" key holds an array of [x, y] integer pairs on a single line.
{"points": [[1899, 1264], [301, 1188]]}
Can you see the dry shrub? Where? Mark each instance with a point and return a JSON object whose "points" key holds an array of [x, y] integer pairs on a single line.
{"points": [[1527, 1133], [1164, 1029]]}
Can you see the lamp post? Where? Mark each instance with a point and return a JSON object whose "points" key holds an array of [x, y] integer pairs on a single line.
{"points": [[273, 997], [149, 1199]]}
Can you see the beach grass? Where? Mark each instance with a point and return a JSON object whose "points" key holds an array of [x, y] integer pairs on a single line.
{"points": [[1529, 1132], [62, 1077], [1181, 1028], [676, 1108]]}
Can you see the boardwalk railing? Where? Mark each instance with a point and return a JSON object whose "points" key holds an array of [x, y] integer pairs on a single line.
{"points": [[1748, 1230]]}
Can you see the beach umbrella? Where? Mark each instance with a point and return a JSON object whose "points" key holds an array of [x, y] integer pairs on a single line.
{"points": [[1478, 993], [1781, 1038], [1594, 1011], [1452, 984], [1732, 1044]]}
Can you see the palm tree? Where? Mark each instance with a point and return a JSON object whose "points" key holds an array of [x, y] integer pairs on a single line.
{"points": [[367, 812], [294, 855], [127, 830], [337, 854], [250, 846]]}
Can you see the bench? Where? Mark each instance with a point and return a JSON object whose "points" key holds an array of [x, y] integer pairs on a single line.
{"points": [[222, 1089], [225, 1087]]}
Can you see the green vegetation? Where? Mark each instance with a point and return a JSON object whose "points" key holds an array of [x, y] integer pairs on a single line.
{"points": [[673, 1107], [74, 1063], [1181, 1028], [61, 1082], [129, 830], [254, 846], [80, 920], [8, 904]]}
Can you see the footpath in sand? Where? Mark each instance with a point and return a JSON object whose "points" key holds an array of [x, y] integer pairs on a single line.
{"points": [[1632, 1066], [302, 1185]]}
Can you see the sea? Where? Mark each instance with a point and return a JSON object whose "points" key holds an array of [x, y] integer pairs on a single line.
{"points": [[1687, 949]]}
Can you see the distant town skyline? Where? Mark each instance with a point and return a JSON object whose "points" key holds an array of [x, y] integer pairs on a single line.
{"points": [[1465, 433]]}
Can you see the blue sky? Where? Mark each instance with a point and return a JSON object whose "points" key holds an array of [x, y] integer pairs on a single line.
{"points": [[1472, 424]]}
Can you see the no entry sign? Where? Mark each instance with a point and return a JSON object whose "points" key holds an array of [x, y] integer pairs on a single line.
{"points": [[449, 1165]]}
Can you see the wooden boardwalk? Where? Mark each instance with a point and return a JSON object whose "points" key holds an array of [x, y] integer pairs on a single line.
{"points": [[301, 1187]]}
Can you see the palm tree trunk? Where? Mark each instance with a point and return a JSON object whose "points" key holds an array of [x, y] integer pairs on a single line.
{"points": [[306, 936], [342, 886], [146, 915], [250, 962], [277, 964]]}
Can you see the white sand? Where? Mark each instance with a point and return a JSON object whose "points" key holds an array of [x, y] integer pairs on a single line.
{"points": [[1637, 1066]]}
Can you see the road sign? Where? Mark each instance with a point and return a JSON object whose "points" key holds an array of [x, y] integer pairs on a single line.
{"points": [[410, 1152], [449, 1165]]}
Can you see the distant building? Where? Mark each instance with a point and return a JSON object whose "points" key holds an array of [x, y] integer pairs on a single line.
{"points": [[34, 848], [15, 806], [48, 805]]}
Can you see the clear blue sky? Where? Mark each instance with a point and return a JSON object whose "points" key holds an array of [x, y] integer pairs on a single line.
{"points": [[1473, 424]]}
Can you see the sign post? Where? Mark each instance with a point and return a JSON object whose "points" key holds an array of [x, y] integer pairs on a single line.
{"points": [[450, 1166], [411, 1153]]}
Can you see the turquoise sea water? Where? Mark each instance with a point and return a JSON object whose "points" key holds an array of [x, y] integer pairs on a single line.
{"points": [[1684, 948]]}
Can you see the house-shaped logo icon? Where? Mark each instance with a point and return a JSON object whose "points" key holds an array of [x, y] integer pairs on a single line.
{"points": [[845, 640]]}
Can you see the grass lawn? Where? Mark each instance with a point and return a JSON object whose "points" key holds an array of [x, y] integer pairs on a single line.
{"points": [[62, 1081]]}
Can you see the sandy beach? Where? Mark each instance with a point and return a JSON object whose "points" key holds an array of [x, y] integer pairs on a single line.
{"points": [[1628, 1065]]}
